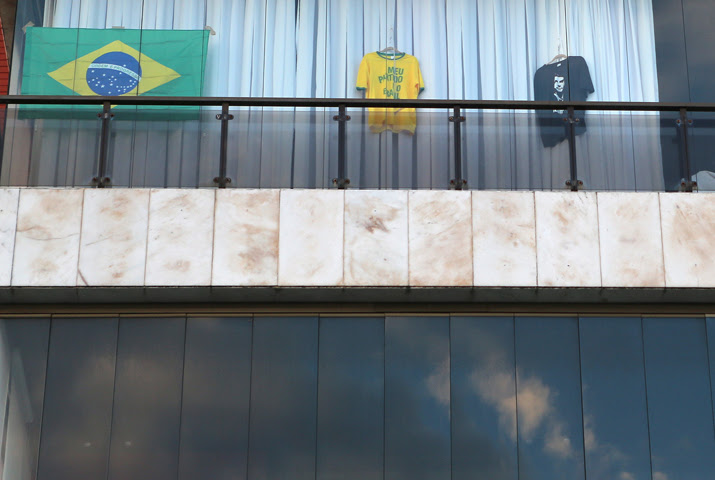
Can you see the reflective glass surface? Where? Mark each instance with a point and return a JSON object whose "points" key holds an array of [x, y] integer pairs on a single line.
{"points": [[215, 400], [549, 420], [614, 399], [605, 150], [160, 147], [284, 378], [483, 388], [679, 398], [78, 399], [23, 363], [351, 399], [701, 143], [711, 352], [283, 147], [504, 398], [147, 399], [698, 16], [50, 145], [417, 398], [399, 159], [514, 150]]}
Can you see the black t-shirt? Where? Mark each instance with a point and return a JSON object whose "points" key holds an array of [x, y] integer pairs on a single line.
{"points": [[562, 81]]}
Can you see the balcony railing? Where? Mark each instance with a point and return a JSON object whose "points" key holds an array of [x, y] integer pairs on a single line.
{"points": [[468, 143]]}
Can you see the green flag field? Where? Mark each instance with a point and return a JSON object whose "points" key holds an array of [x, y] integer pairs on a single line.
{"points": [[112, 62]]}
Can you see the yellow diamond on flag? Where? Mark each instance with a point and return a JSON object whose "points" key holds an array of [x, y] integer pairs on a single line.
{"points": [[113, 70]]}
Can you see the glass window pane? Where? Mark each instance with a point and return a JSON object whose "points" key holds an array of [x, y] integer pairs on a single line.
{"points": [[711, 351], [78, 399], [679, 398], [614, 403], [283, 398], [147, 399], [549, 399], [351, 398], [483, 398], [417, 398], [697, 21], [214, 412], [23, 360]]}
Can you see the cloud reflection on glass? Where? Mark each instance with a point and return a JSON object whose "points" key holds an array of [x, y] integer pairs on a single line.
{"points": [[679, 398], [343, 398], [483, 398], [549, 398], [417, 423], [614, 399]]}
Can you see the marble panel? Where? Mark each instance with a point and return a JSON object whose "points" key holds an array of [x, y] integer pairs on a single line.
{"points": [[688, 224], [311, 238], [114, 236], [48, 237], [631, 246], [440, 236], [246, 237], [376, 238], [567, 248], [9, 198], [504, 239], [180, 240]]}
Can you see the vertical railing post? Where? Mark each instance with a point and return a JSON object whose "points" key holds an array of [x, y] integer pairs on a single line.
{"points": [[686, 184], [222, 180], [101, 180], [574, 183], [342, 118], [457, 183]]}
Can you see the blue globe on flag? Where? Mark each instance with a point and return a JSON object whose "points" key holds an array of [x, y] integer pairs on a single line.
{"points": [[113, 73]]}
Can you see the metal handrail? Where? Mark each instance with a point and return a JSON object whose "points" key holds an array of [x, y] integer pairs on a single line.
{"points": [[354, 103]]}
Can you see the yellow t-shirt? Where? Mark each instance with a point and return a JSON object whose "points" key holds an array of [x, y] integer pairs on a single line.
{"points": [[391, 76]]}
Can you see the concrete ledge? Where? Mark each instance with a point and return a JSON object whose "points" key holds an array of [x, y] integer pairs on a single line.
{"points": [[360, 295]]}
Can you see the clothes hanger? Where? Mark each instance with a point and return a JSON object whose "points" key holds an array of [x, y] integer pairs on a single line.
{"points": [[558, 58], [390, 49]]}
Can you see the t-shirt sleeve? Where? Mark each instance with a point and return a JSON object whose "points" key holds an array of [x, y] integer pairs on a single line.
{"points": [[538, 90], [420, 81], [362, 76], [584, 77]]}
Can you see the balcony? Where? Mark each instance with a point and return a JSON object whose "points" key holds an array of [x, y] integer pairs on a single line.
{"points": [[204, 142]]}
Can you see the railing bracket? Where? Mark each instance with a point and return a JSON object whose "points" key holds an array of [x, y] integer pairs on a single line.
{"points": [[101, 182], [222, 181], [457, 184], [688, 186], [574, 185], [341, 183]]}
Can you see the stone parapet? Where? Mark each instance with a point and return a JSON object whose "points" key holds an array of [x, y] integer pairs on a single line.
{"points": [[355, 239]]}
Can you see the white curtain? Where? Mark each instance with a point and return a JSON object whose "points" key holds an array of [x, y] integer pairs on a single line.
{"points": [[468, 49]]}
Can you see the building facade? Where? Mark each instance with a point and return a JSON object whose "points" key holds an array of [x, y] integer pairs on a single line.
{"points": [[395, 329]]}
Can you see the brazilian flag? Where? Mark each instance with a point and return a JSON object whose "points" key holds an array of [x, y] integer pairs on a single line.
{"points": [[113, 62]]}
